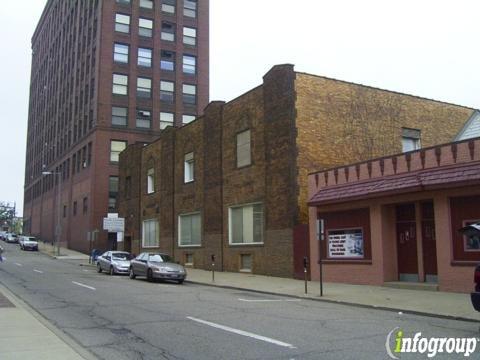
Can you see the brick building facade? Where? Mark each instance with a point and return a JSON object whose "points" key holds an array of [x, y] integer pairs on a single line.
{"points": [[105, 73], [247, 201]]}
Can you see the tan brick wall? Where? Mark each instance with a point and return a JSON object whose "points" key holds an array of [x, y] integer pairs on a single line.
{"points": [[340, 123]]}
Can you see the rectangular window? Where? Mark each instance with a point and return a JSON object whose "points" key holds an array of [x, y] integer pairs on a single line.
{"points": [[74, 208], [244, 156], [346, 243], [189, 259], [122, 23], [112, 193], [189, 94], [187, 118], [167, 60], [150, 233], [410, 139], [123, 2], [150, 181], [189, 167], [120, 84], [120, 53], [144, 119], [189, 36], [189, 64], [167, 91], [85, 205], [147, 4], [168, 31], [246, 262], [168, 6], [190, 230], [116, 147], [145, 27], [190, 8], [144, 57], [166, 119], [119, 116], [144, 87], [245, 224]]}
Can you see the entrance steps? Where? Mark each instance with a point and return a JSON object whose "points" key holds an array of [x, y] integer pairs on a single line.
{"points": [[411, 285]]}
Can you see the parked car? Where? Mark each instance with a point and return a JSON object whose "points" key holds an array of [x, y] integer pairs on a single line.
{"points": [[11, 238], [114, 262], [3, 234], [475, 296], [28, 243], [157, 266]]}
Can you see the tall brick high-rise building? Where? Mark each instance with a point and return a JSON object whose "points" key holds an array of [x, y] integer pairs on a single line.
{"points": [[105, 74]]}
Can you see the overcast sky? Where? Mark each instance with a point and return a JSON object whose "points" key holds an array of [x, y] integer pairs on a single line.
{"points": [[423, 47]]}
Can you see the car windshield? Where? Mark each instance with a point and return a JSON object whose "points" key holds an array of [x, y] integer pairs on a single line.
{"points": [[122, 256], [159, 258]]}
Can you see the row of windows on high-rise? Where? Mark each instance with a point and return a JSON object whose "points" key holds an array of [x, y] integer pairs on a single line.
{"points": [[145, 29], [121, 55], [144, 89], [167, 6], [143, 118]]}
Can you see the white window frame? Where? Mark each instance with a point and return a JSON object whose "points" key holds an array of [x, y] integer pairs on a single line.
{"points": [[180, 229], [157, 233], [189, 164], [151, 180], [242, 147], [230, 225]]}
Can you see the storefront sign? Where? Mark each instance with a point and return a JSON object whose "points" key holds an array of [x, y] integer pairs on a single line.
{"points": [[345, 244]]}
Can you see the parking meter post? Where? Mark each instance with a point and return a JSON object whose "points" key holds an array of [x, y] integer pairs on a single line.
{"points": [[320, 238], [305, 264], [213, 268]]}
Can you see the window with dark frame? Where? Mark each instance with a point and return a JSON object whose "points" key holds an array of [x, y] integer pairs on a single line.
{"points": [[168, 31], [112, 193], [167, 60], [166, 119], [122, 23], [144, 88], [120, 84], [189, 36], [146, 4], [244, 156], [119, 116], [167, 91], [116, 147], [410, 139], [145, 27], [168, 6], [189, 64], [143, 119], [186, 118], [190, 8], [120, 53], [144, 58], [189, 94]]}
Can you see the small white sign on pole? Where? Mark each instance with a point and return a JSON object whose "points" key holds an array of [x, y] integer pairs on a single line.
{"points": [[119, 236]]}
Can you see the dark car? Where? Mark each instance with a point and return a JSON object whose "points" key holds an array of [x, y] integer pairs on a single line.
{"points": [[472, 234], [157, 266], [475, 296]]}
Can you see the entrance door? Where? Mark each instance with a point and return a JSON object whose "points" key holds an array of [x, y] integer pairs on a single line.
{"points": [[407, 243], [127, 244], [429, 243], [112, 241]]}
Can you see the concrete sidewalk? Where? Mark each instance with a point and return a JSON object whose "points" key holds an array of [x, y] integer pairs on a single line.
{"points": [[25, 335], [431, 303]]}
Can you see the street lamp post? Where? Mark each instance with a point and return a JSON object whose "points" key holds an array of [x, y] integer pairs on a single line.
{"points": [[58, 227]]}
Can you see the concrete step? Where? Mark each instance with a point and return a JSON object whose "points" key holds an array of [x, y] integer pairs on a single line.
{"points": [[411, 285]]}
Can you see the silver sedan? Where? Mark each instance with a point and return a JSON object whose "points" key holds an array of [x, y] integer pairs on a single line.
{"points": [[157, 266], [114, 262]]}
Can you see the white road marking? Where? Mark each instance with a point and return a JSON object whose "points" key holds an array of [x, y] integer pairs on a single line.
{"points": [[268, 300], [86, 270], [243, 333], [18, 264], [86, 286], [38, 271]]}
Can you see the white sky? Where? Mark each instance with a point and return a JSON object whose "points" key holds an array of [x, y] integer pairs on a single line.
{"points": [[422, 47]]}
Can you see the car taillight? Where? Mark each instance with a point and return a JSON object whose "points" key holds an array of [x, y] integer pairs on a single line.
{"points": [[476, 277]]}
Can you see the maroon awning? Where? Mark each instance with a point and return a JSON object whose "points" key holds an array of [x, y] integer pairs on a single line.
{"points": [[435, 178]]}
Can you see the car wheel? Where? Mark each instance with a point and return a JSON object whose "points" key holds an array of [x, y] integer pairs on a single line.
{"points": [[112, 271], [99, 268], [132, 274], [180, 282], [150, 275]]}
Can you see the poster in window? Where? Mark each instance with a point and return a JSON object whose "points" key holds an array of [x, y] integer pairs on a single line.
{"points": [[471, 242], [346, 243]]}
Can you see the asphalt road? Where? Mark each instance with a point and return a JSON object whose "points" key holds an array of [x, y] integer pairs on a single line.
{"points": [[118, 318]]}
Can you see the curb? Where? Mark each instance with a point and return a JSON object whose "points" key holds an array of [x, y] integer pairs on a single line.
{"points": [[75, 346], [341, 302]]}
